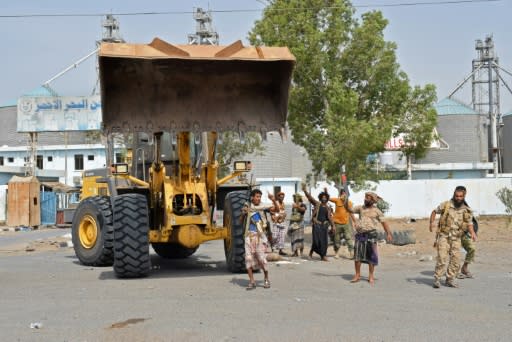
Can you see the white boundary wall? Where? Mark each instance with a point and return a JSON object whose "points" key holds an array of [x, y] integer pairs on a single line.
{"points": [[3, 203], [417, 198]]}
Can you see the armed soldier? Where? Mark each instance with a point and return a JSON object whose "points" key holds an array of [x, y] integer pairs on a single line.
{"points": [[456, 219], [468, 244]]}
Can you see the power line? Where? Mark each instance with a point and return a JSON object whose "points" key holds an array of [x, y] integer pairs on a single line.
{"points": [[400, 4]]}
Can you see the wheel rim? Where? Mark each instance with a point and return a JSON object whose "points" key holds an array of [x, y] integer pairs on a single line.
{"points": [[88, 231]]}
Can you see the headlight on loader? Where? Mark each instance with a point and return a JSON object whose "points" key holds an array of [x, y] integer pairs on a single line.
{"points": [[242, 166], [120, 169]]}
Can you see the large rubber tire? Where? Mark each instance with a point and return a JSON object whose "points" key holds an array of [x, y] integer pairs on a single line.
{"points": [[172, 250], [131, 236], [400, 237], [234, 245], [92, 232]]}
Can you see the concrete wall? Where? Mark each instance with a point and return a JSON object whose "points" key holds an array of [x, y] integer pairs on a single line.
{"points": [[417, 198], [3, 203], [282, 158], [443, 174], [288, 185], [414, 198]]}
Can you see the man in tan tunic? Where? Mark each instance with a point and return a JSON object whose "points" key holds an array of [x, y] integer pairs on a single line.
{"points": [[365, 247], [456, 219]]}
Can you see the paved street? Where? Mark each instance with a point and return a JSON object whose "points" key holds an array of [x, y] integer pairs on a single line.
{"points": [[198, 300]]}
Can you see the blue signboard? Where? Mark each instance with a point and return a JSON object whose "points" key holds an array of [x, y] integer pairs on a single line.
{"points": [[58, 113]]}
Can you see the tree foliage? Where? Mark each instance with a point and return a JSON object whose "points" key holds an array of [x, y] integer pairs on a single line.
{"points": [[231, 148], [418, 121], [348, 94]]}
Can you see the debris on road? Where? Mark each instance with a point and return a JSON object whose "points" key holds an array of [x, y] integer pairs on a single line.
{"points": [[426, 258], [36, 325]]}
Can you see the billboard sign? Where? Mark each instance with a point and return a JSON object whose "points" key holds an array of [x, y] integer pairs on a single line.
{"points": [[58, 113], [398, 142]]}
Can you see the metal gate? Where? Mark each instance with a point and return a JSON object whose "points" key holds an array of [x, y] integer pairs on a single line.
{"points": [[48, 207]]}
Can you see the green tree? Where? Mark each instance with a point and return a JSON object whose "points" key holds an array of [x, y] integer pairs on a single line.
{"points": [[349, 95], [417, 124], [232, 149]]}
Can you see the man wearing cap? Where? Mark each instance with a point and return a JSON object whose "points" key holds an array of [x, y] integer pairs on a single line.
{"points": [[456, 219], [342, 227], [278, 225], [365, 247]]}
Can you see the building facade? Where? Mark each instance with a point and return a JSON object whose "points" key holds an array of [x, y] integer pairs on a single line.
{"points": [[60, 156], [507, 143]]}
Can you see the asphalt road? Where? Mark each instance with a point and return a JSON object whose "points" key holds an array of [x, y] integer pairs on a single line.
{"points": [[199, 300], [23, 237]]}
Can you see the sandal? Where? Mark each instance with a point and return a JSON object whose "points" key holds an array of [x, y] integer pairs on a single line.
{"points": [[464, 275], [251, 286], [266, 284]]}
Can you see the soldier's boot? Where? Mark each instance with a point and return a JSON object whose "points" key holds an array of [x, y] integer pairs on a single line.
{"points": [[451, 283], [436, 284]]}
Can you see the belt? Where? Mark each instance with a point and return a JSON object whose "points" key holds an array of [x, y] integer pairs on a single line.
{"points": [[322, 222]]}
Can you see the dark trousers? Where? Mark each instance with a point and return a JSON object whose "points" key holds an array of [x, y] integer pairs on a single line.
{"points": [[319, 237]]}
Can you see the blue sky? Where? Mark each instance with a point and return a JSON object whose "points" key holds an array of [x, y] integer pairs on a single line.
{"points": [[435, 42]]}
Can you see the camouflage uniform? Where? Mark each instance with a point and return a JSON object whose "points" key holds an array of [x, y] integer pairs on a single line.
{"points": [[469, 246], [452, 225]]}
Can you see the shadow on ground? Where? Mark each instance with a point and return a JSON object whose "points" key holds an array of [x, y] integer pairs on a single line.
{"points": [[193, 266], [427, 279]]}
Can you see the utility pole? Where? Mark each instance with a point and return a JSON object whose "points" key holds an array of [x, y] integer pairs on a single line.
{"points": [[205, 34]]}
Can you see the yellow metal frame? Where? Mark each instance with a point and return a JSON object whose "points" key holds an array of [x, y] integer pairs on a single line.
{"points": [[168, 227]]}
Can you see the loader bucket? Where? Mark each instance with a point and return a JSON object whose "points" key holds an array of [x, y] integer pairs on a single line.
{"points": [[164, 87]]}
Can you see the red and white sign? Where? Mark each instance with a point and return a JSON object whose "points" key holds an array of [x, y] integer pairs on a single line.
{"points": [[397, 143], [394, 144]]}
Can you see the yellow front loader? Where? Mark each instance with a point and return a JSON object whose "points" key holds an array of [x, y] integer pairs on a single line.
{"points": [[171, 103]]}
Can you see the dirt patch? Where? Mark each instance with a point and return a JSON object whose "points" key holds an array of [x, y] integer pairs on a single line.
{"points": [[494, 238], [37, 246]]}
